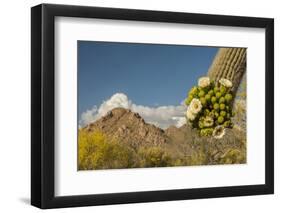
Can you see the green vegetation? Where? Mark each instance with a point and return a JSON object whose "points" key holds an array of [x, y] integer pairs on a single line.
{"points": [[96, 151], [154, 157]]}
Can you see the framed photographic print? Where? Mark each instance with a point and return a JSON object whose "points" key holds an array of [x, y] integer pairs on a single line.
{"points": [[139, 106]]}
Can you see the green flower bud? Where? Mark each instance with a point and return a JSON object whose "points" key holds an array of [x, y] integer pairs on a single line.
{"points": [[217, 114], [211, 92], [207, 97], [206, 131], [210, 131], [203, 101], [216, 89], [223, 89], [193, 91], [201, 93], [218, 94], [213, 99], [223, 113], [227, 124], [202, 132], [222, 100], [222, 106], [228, 97], [220, 119], [188, 100], [206, 112], [200, 124], [216, 106]]}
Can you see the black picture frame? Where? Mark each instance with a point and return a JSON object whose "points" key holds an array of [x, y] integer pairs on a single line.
{"points": [[43, 102]]}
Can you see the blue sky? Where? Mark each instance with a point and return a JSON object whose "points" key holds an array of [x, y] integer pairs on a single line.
{"points": [[149, 74]]}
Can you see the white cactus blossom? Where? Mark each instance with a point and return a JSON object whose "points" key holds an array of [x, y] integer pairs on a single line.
{"points": [[219, 132], [225, 82], [203, 82], [195, 106], [208, 121], [190, 116]]}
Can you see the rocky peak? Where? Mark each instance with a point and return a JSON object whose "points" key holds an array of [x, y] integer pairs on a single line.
{"points": [[128, 127]]}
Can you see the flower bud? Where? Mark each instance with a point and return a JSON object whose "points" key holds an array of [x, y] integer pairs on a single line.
{"points": [[203, 101], [218, 94], [193, 91], [188, 100], [213, 99], [220, 119], [222, 106], [216, 89], [223, 89], [227, 124], [216, 106], [207, 97], [222, 100], [228, 97], [211, 92], [223, 113], [201, 93], [217, 114]]}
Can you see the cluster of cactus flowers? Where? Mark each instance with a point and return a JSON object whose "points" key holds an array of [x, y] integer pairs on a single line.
{"points": [[210, 107]]}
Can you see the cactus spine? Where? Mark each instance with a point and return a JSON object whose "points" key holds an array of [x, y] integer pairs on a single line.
{"points": [[229, 63]]}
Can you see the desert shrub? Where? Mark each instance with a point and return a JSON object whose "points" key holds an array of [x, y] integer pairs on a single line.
{"points": [[154, 157], [198, 158], [97, 151], [233, 156]]}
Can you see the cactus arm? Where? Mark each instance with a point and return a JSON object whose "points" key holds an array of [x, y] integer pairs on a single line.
{"points": [[229, 63]]}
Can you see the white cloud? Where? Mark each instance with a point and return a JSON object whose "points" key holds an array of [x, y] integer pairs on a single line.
{"points": [[161, 116]]}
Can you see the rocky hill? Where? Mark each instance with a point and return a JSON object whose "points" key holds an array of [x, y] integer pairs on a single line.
{"points": [[129, 127]]}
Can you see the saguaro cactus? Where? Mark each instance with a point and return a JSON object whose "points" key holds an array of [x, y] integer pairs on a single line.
{"points": [[229, 63]]}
